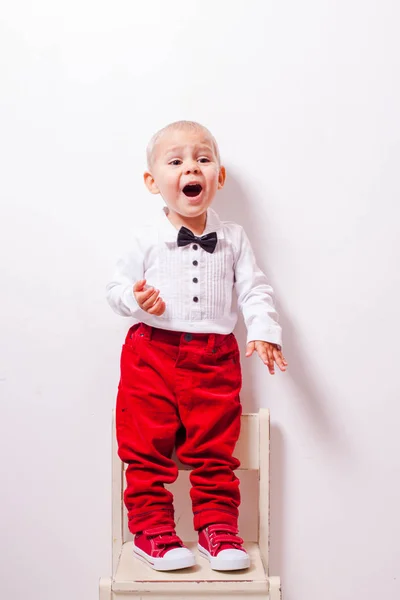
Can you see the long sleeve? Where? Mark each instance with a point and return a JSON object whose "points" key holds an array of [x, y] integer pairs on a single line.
{"points": [[119, 291], [255, 297]]}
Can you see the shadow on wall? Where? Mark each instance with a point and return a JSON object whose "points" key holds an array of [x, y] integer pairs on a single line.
{"points": [[233, 204], [312, 398]]}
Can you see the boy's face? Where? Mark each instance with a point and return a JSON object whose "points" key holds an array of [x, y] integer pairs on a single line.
{"points": [[185, 171]]}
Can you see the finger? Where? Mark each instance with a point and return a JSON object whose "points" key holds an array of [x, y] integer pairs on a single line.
{"points": [[158, 308], [282, 357], [271, 365], [263, 354], [153, 310], [250, 348], [149, 303], [142, 297], [150, 300], [281, 365], [139, 285], [280, 361], [161, 309], [266, 356]]}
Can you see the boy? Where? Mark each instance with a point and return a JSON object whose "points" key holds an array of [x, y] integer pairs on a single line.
{"points": [[180, 364]]}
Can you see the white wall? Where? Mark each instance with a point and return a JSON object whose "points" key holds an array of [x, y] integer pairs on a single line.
{"points": [[303, 98]]}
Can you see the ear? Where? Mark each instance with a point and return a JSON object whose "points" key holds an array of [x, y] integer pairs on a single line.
{"points": [[150, 183], [221, 177]]}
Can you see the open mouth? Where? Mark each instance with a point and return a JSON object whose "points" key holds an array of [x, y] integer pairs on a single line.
{"points": [[192, 190]]}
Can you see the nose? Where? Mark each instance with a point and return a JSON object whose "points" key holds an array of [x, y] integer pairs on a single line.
{"points": [[192, 167]]}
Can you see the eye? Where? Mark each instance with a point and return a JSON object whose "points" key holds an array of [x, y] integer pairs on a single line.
{"points": [[204, 159], [175, 162]]}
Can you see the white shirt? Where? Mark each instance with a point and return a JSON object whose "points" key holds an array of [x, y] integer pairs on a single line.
{"points": [[196, 286]]}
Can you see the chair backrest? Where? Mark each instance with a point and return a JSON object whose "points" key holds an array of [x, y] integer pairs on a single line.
{"points": [[253, 452]]}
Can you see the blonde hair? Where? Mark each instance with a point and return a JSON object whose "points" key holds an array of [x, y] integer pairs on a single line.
{"points": [[188, 125]]}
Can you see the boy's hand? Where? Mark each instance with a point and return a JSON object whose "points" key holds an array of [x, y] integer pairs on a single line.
{"points": [[268, 353], [148, 299]]}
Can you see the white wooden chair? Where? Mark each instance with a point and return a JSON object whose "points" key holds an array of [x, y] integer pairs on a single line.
{"points": [[132, 579]]}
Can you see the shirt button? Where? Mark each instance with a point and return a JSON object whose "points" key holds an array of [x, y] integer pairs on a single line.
{"points": [[195, 299], [195, 246], [195, 263], [195, 280]]}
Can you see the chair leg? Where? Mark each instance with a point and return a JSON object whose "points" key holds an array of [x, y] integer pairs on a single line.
{"points": [[275, 591], [105, 588]]}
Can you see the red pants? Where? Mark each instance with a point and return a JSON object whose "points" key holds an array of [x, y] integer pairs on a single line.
{"points": [[179, 390]]}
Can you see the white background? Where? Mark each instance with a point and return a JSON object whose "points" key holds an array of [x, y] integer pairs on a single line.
{"points": [[304, 99]]}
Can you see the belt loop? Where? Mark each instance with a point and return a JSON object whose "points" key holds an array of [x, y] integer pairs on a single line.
{"points": [[145, 331], [211, 343]]}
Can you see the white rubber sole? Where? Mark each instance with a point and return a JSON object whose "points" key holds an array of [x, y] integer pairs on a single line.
{"points": [[165, 564], [219, 563]]}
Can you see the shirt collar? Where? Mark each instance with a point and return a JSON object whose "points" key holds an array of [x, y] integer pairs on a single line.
{"points": [[168, 233]]}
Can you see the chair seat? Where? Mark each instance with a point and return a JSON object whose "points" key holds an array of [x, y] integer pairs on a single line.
{"points": [[133, 577]]}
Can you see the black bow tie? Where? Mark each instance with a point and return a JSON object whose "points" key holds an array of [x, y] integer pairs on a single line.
{"points": [[207, 242]]}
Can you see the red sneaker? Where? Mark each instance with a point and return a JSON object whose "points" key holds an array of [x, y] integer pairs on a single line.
{"points": [[223, 548], [162, 549]]}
